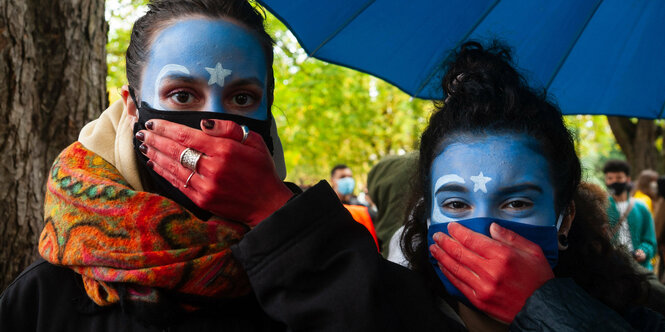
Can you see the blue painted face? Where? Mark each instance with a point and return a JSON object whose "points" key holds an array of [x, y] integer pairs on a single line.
{"points": [[496, 176], [207, 65]]}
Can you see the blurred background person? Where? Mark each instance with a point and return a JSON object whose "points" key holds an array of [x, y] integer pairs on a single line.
{"points": [[646, 188], [341, 180], [630, 222], [388, 183]]}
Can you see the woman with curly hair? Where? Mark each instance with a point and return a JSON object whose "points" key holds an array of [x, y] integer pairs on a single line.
{"points": [[495, 221]]}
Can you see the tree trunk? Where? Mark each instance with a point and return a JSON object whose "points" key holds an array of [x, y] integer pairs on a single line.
{"points": [[638, 143], [53, 81]]}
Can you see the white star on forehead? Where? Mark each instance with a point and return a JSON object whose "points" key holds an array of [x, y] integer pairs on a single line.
{"points": [[218, 74], [479, 182]]}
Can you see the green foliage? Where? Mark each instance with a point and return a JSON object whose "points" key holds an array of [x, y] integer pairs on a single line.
{"points": [[328, 114], [120, 14], [595, 144]]}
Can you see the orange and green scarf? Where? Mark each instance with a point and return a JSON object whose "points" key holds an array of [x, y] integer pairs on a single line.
{"points": [[114, 236]]}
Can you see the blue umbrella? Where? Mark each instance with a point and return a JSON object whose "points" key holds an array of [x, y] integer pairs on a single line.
{"points": [[592, 56]]}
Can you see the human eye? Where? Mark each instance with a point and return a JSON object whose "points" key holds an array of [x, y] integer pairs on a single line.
{"points": [[455, 206], [178, 97], [243, 99], [182, 97], [518, 204]]}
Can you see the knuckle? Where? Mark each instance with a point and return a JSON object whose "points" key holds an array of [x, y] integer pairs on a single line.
{"points": [[206, 191], [149, 138], [226, 153], [457, 253], [174, 152], [510, 236], [468, 241], [172, 168], [173, 179], [483, 294], [183, 137]]}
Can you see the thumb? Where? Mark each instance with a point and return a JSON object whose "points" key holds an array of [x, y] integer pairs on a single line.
{"points": [[231, 130]]}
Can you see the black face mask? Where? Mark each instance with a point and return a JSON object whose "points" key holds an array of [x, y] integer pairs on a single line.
{"points": [[190, 119], [617, 188]]}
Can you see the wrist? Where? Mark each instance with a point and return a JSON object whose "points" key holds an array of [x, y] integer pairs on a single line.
{"points": [[279, 196]]}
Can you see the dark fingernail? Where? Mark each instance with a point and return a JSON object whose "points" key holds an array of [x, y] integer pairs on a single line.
{"points": [[209, 124], [143, 148], [140, 136], [150, 164], [149, 125]]}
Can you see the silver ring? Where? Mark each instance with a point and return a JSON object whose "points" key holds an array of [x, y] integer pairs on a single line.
{"points": [[189, 158], [245, 133], [189, 178]]}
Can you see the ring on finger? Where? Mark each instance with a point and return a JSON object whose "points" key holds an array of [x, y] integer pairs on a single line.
{"points": [[189, 158], [189, 178], [245, 133]]}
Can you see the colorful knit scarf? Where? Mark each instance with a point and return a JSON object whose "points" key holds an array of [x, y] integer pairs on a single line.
{"points": [[112, 235]]}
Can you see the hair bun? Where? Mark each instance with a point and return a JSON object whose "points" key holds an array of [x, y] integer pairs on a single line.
{"points": [[481, 76]]}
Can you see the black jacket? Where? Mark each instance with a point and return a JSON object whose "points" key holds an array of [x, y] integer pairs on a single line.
{"points": [[312, 268]]}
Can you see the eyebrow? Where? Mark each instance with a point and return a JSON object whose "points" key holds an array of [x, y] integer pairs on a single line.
{"points": [[452, 187], [181, 77], [246, 81], [520, 188]]}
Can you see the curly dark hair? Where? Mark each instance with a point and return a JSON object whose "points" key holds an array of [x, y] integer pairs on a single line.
{"points": [[487, 96], [162, 13]]}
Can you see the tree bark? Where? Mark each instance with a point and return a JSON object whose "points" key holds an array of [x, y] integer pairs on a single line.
{"points": [[638, 143], [53, 74]]}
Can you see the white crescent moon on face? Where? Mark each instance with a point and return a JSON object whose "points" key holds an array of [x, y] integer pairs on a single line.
{"points": [[167, 69], [437, 216]]}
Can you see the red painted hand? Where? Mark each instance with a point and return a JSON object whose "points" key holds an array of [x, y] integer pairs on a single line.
{"points": [[496, 274], [232, 180]]}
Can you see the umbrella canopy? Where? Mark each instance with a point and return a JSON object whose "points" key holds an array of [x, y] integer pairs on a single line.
{"points": [[592, 56]]}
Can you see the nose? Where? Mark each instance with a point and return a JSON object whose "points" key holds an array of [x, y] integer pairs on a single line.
{"points": [[483, 210]]}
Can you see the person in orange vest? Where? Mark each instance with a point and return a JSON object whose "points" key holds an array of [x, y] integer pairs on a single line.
{"points": [[341, 179]]}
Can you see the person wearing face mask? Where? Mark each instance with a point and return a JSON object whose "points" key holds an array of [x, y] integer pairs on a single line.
{"points": [[170, 214], [341, 179], [498, 221], [630, 223]]}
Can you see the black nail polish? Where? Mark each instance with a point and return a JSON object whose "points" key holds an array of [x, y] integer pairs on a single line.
{"points": [[209, 124], [143, 148], [149, 125], [150, 164], [140, 136]]}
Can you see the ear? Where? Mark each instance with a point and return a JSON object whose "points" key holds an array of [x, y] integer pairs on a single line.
{"points": [[128, 102], [566, 224]]}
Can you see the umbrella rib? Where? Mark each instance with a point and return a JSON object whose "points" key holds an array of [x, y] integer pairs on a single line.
{"points": [[341, 27], [463, 39], [570, 48]]}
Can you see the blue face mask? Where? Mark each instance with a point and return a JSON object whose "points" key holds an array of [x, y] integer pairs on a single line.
{"points": [[345, 185], [543, 236]]}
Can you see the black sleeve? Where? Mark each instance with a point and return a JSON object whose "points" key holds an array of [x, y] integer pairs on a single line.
{"points": [[562, 305], [19, 304], [46, 297], [314, 268]]}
